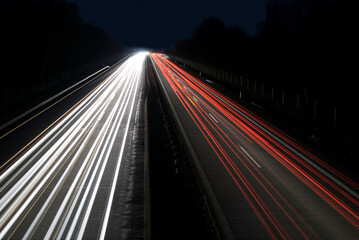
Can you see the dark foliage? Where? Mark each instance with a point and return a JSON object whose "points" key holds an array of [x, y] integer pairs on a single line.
{"points": [[43, 38], [309, 46], [215, 44]]}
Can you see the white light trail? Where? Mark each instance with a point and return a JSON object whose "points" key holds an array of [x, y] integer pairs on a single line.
{"points": [[84, 141]]}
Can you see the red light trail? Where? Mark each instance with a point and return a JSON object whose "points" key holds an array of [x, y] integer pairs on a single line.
{"points": [[234, 134]]}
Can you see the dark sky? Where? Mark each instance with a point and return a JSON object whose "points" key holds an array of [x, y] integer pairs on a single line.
{"points": [[160, 23]]}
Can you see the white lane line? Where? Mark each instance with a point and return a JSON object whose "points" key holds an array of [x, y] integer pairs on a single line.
{"points": [[44, 142], [213, 117], [114, 183], [55, 190], [113, 187], [195, 98], [250, 157], [67, 198], [135, 74], [74, 184], [29, 179], [91, 156], [78, 127], [294, 150], [55, 147], [58, 148], [106, 149], [34, 192], [103, 155], [184, 87], [36, 179]]}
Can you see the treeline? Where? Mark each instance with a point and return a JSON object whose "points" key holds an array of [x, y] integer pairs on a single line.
{"points": [[41, 42], [309, 46]]}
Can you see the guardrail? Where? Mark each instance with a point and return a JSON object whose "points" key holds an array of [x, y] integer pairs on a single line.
{"points": [[33, 102], [220, 219], [291, 101]]}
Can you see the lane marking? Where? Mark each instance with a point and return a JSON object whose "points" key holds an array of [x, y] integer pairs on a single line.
{"points": [[209, 81], [36, 221], [101, 85], [66, 116], [76, 127], [282, 142], [114, 185], [213, 118], [195, 98], [250, 157], [43, 172], [92, 155], [218, 210], [59, 94]]}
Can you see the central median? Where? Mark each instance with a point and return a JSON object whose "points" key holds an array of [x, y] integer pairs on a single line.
{"points": [[178, 206]]}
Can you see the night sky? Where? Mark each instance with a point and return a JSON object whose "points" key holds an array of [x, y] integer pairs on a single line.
{"points": [[160, 23]]}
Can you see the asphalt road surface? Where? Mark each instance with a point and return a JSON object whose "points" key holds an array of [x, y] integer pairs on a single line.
{"points": [[63, 186], [263, 184]]}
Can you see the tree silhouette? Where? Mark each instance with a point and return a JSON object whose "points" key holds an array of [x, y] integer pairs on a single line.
{"points": [[41, 39], [309, 45]]}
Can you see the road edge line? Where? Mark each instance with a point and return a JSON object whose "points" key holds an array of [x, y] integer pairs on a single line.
{"points": [[221, 219]]}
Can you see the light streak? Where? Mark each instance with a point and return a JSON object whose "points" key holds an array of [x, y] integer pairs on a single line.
{"points": [[77, 152], [236, 156], [250, 157]]}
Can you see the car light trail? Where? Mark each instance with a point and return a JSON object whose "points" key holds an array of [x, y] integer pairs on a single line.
{"points": [[52, 189], [257, 157]]}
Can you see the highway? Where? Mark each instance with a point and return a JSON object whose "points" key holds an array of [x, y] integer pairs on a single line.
{"points": [[63, 185], [261, 183]]}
